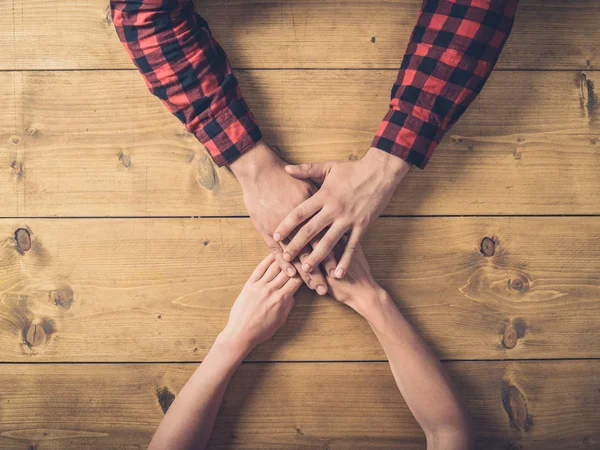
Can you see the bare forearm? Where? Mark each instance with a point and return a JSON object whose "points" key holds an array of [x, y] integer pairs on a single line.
{"points": [[190, 419], [420, 377]]}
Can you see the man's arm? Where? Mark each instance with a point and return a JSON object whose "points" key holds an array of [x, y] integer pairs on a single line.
{"points": [[184, 66], [452, 51], [419, 375], [260, 310]]}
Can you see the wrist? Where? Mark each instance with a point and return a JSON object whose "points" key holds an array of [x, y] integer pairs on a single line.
{"points": [[231, 346], [391, 166], [249, 166], [372, 303]]}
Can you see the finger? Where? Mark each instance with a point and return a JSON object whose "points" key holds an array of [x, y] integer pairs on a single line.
{"points": [[280, 280], [329, 263], [309, 170], [306, 277], [317, 279], [303, 237], [325, 247], [272, 272], [299, 214], [262, 267], [277, 252], [292, 285], [346, 259]]}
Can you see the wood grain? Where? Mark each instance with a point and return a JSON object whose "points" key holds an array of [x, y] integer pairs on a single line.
{"points": [[47, 34], [98, 144], [161, 289], [274, 406]]}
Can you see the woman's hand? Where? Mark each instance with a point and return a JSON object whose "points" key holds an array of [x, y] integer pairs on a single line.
{"points": [[262, 307], [270, 193], [352, 196], [358, 289]]}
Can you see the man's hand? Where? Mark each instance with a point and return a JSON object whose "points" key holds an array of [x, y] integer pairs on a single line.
{"points": [[270, 193], [352, 196], [262, 307]]}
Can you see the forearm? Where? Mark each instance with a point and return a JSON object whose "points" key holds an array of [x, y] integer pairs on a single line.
{"points": [[250, 167], [451, 53], [185, 67], [189, 421], [420, 376]]}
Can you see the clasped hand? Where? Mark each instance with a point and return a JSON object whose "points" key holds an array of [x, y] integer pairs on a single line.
{"points": [[302, 224], [352, 195]]}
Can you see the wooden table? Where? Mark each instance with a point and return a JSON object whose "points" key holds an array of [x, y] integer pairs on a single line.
{"points": [[123, 246]]}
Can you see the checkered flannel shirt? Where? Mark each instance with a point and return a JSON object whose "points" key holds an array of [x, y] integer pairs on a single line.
{"points": [[451, 53]]}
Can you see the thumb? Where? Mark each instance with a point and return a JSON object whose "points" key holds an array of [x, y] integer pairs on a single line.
{"points": [[309, 170]]}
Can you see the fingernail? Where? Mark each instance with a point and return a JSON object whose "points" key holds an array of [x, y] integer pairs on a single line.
{"points": [[277, 237], [339, 273], [321, 290], [291, 272], [306, 267], [309, 284], [287, 257], [332, 273]]}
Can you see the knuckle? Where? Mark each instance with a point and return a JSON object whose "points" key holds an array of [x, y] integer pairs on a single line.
{"points": [[307, 231], [298, 215], [363, 221]]}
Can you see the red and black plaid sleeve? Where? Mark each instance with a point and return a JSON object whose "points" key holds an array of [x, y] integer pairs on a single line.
{"points": [[451, 53], [185, 67]]}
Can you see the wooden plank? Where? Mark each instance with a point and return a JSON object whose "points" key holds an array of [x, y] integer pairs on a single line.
{"points": [[98, 144], [555, 405], [46, 34], [161, 289]]}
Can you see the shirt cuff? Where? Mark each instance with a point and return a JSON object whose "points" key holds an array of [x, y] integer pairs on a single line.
{"points": [[230, 133], [408, 137]]}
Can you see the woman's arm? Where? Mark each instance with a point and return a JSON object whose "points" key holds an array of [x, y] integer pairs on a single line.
{"points": [[420, 377], [260, 310], [190, 419], [424, 384]]}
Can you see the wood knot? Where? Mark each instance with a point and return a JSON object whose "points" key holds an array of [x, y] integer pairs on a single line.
{"points": [[509, 340], [373, 40], [17, 168], [32, 131], [23, 240], [15, 140], [518, 285], [518, 155], [63, 297], [125, 159], [513, 331], [515, 405], [165, 398], [588, 98], [593, 141], [35, 335], [487, 247], [352, 157], [206, 173]]}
